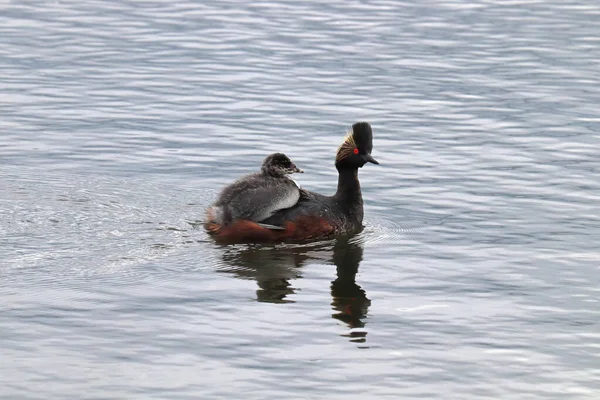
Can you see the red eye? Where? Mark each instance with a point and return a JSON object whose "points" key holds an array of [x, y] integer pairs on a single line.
{"points": [[355, 150]]}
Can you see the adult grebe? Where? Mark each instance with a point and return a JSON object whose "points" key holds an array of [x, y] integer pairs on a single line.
{"points": [[313, 216]]}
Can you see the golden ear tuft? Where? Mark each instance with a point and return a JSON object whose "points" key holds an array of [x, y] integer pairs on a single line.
{"points": [[349, 139], [347, 148]]}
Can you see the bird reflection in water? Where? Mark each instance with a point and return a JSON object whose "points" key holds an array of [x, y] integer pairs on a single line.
{"points": [[274, 267]]}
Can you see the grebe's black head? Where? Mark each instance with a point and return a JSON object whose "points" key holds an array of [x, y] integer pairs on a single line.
{"points": [[356, 149], [278, 164]]}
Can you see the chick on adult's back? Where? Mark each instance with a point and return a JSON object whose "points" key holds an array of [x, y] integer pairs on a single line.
{"points": [[257, 196], [313, 215]]}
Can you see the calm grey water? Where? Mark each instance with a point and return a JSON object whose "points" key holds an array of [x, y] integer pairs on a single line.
{"points": [[477, 275]]}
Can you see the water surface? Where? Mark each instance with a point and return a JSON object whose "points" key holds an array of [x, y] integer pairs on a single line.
{"points": [[476, 275]]}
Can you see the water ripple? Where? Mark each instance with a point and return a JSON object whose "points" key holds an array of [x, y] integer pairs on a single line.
{"points": [[476, 273]]}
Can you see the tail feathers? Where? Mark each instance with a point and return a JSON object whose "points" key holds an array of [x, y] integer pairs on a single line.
{"points": [[216, 215]]}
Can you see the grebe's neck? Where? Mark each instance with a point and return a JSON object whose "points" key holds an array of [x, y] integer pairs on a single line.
{"points": [[348, 191]]}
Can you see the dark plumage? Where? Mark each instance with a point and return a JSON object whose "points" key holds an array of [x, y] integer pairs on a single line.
{"points": [[312, 215], [344, 210]]}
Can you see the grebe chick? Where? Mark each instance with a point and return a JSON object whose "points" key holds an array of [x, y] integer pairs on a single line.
{"points": [[258, 196]]}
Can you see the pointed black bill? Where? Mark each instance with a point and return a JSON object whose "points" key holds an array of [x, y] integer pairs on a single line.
{"points": [[370, 159]]}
